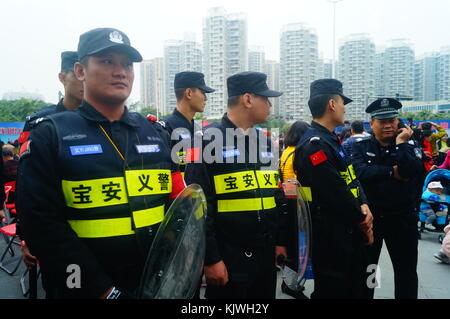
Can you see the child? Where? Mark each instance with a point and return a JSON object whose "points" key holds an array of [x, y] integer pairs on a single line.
{"points": [[431, 207]]}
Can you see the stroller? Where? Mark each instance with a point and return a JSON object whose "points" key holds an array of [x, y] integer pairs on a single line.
{"points": [[433, 201]]}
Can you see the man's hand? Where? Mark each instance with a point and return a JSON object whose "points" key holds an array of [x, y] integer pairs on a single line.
{"points": [[366, 225], [397, 176], [404, 135], [216, 274], [28, 258], [280, 250]]}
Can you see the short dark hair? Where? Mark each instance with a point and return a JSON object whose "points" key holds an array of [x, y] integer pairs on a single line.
{"points": [[295, 133], [233, 100], [179, 92], [357, 127], [318, 104]]}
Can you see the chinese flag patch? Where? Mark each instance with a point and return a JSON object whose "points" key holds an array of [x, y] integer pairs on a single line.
{"points": [[318, 158]]}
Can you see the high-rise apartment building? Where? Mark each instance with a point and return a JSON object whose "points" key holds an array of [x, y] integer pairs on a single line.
{"points": [[299, 66], [225, 52]]}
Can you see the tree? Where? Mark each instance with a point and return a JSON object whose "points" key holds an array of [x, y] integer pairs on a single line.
{"points": [[18, 110]]}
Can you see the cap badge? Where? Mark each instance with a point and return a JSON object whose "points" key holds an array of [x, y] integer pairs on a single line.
{"points": [[116, 37], [384, 103]]}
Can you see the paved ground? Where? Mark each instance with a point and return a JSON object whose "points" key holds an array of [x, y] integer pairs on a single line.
{"points": [[434, 277]]}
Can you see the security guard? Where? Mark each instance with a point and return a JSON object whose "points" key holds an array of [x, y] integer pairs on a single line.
{"points": [[73, 94], [239, 175], [190, 91], [388, 164], [341, 219], [109, 175]]}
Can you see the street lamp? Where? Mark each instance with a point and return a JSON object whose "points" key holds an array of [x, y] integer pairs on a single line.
{"points": [[333, 68]]}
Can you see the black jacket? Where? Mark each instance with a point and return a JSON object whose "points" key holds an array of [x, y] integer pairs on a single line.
{"points": [[72, 176], [374, 167], [323, 167], [182, 139], [247, 179]]}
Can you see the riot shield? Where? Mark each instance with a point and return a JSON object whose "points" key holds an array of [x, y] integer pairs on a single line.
{"points": [[175, 260], [293, 274]]}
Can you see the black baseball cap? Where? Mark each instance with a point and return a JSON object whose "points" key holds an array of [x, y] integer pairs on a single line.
{"points": [[250, 82], [68, 59], [384, 108], [328, 86], [189, 79], [97, 40]]}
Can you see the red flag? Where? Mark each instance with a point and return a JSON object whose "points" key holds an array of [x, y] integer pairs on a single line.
{"points": [[192, 155], [318, 158]]}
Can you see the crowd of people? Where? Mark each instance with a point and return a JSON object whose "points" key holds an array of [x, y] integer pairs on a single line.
{"points": [[94, 181]]}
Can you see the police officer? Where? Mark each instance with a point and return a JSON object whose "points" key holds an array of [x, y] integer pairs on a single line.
{"points": [[341, 219], [97, 179], [239, 175], [73, 94], [190, 91], [388, 164]]}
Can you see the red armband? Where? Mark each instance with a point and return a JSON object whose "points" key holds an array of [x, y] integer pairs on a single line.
{"points": [[178, 184], [23, 137]]}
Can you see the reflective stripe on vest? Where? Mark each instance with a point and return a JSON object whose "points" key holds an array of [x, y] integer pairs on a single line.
{"points": [[305, 193], [245, 204], [98, 228], [243, 181], [111, 191]]}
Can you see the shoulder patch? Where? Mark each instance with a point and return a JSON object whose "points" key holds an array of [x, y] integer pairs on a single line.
{"points": [[318, 157], [162, 123], [314, 139], [151, 118]]}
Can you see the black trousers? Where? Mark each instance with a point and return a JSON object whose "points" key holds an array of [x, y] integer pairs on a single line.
{"points": [[399, 232], [339, 260], [251, 273]]}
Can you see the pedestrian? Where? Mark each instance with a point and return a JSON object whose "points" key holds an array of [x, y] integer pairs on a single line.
{"points": [[240, 183], [389, 166], [341, 218], [357, 131], [96, 181], [287, 176], [190, 91]]}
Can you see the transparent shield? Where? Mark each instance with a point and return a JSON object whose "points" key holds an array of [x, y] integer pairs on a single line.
{"points": [[294, 277], [175, 260]]}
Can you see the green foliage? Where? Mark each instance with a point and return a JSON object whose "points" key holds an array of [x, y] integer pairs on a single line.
{"points": [[146, 111], [425, 116], [18, 110]]}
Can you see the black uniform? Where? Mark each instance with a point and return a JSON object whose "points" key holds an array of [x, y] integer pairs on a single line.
{"points": [[33, 120], [242, 218], [335, 198], [393, 204], [184, 136], [82, 204]]}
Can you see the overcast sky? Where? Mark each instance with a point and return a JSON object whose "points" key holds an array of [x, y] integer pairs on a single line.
{"points": [[33, 33]]}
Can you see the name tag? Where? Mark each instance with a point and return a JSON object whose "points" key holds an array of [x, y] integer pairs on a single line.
{"points": [[231, 153], [267, 154], [86, 149], [141, 149]]}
